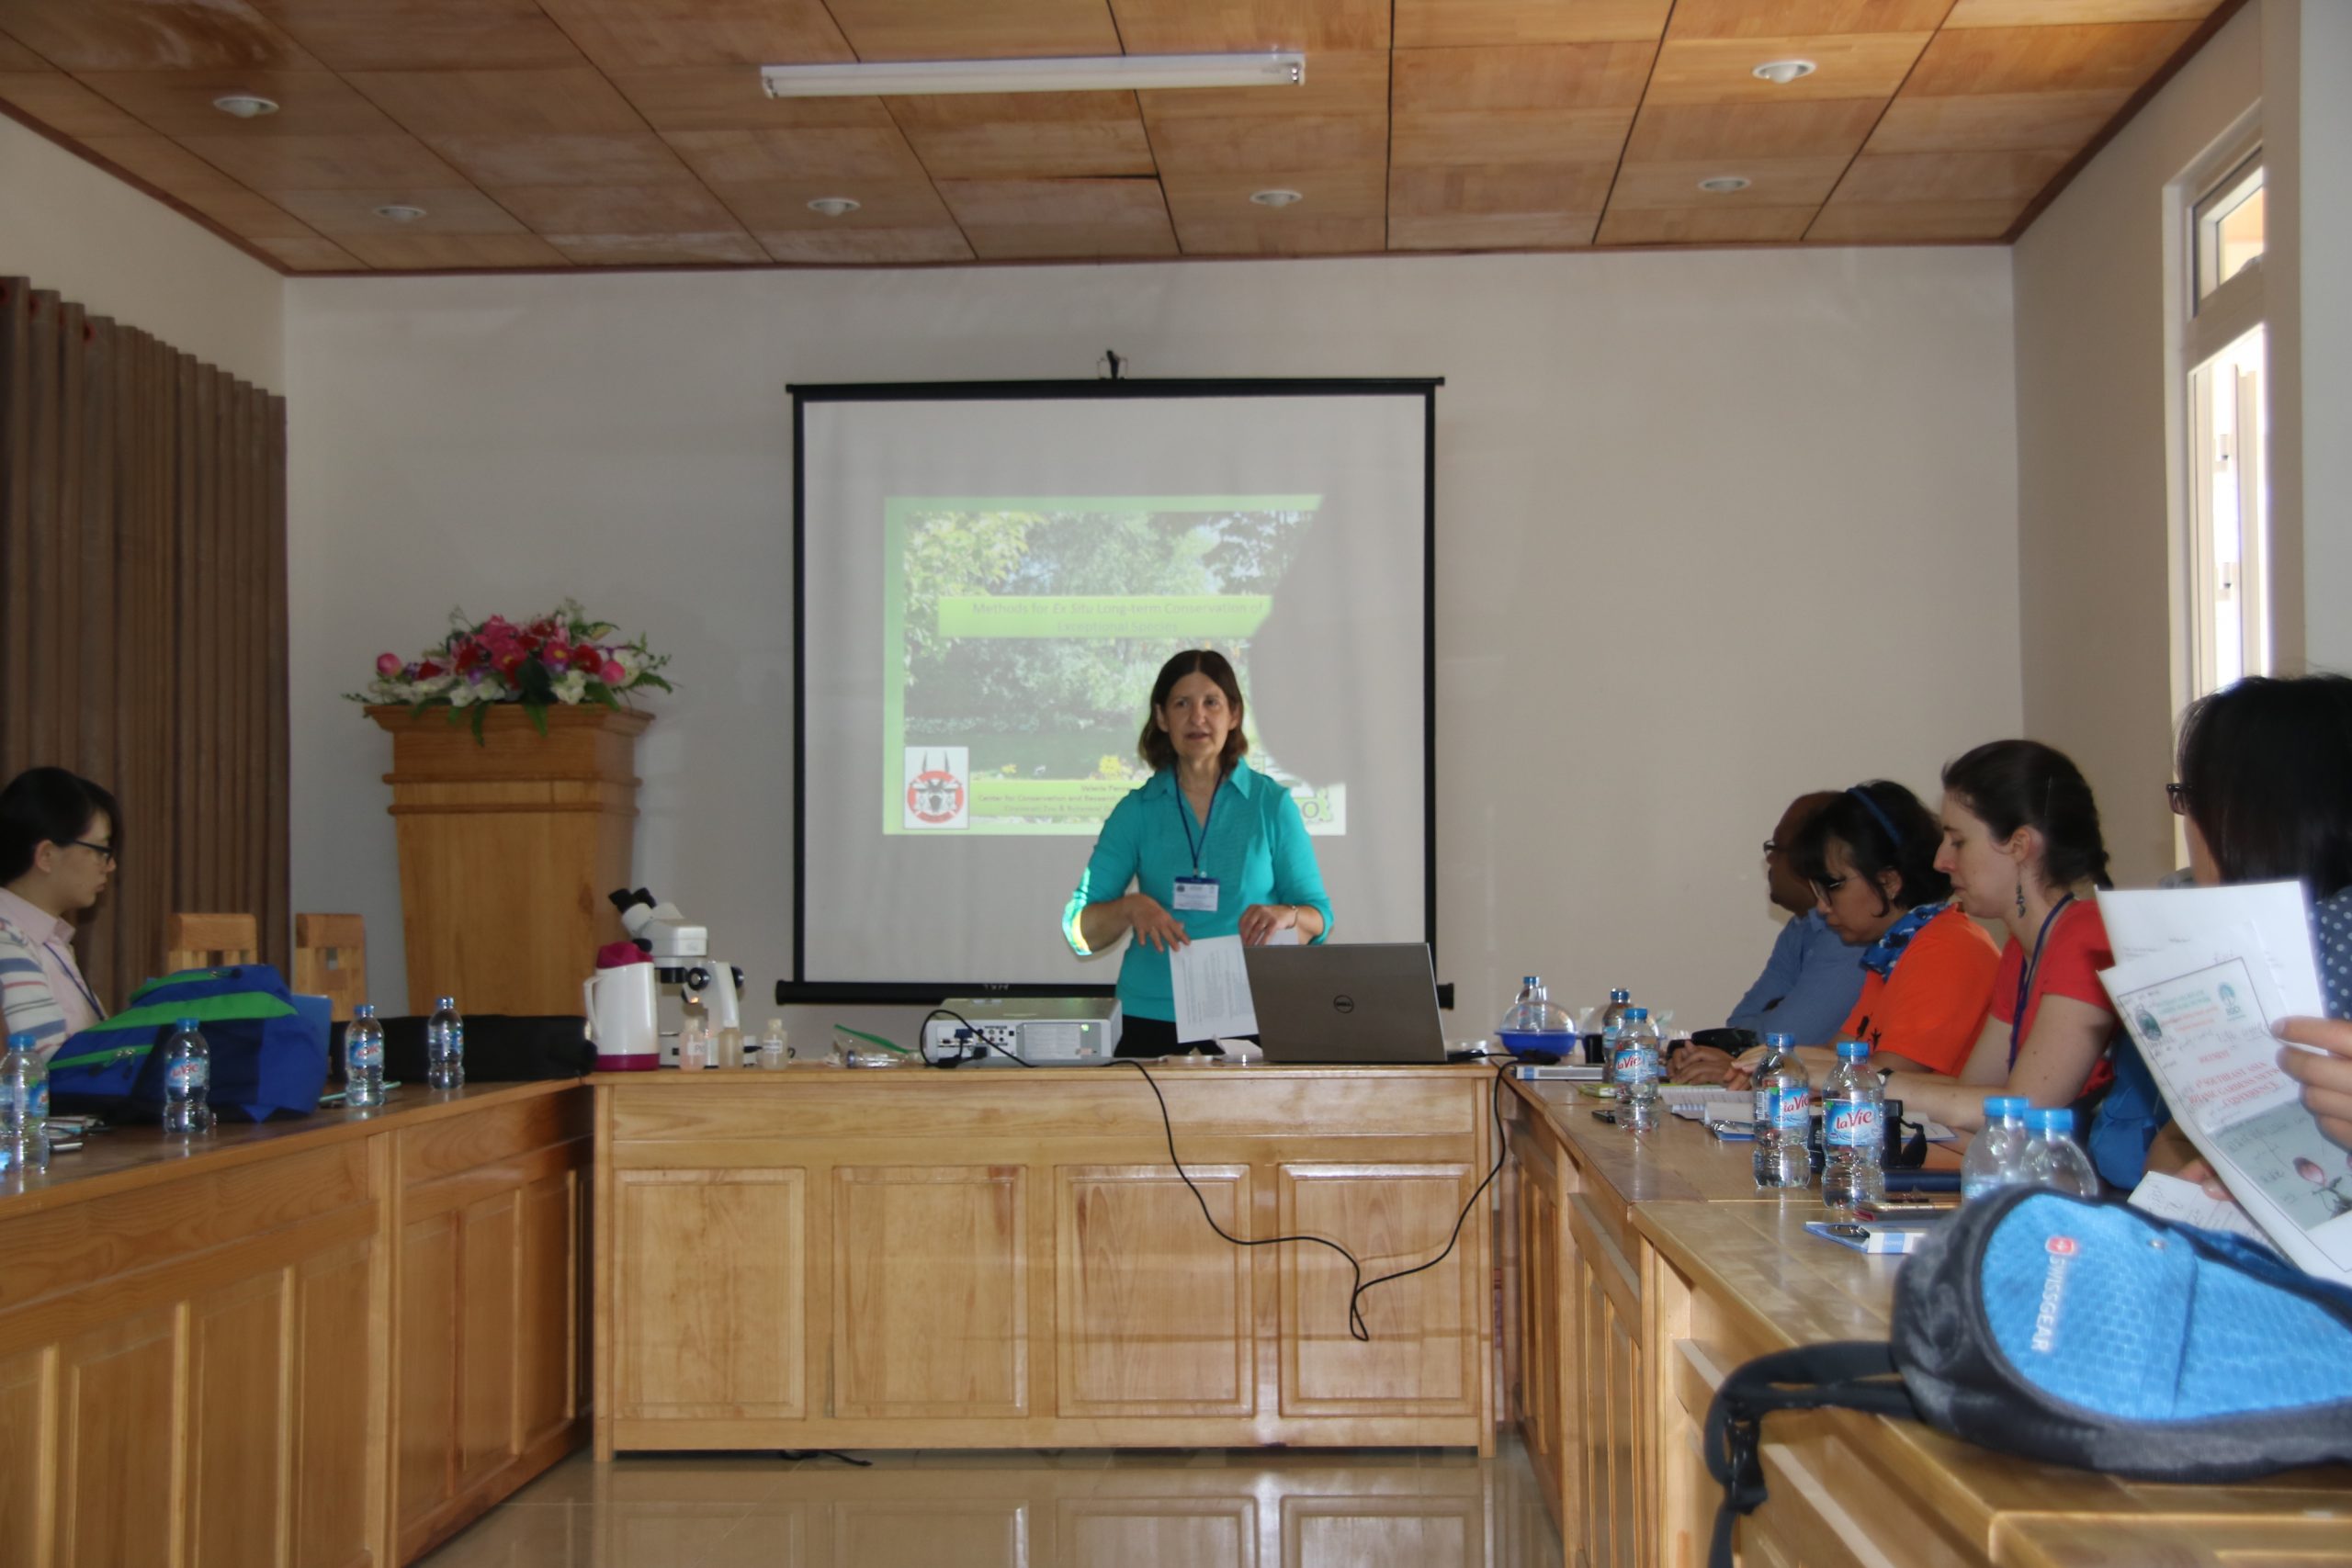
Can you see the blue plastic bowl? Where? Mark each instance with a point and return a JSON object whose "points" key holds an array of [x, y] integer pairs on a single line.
{"points": [[1542, 1046]]}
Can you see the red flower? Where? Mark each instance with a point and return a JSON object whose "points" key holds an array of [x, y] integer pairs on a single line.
{"points": [[426, 671]]}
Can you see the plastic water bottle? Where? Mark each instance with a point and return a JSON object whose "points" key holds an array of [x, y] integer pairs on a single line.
{"points": [[773, 1046], [1612, 1024], [188, 1080], [24, 1105], [363, 1059], [445, 1046], [1996, 1157], [1853, 1135], [1637, 1072], [1525, 1014], [2053, 1159], [1782, 1115], [694, 1034]]}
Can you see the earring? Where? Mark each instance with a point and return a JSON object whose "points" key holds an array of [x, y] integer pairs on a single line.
{"points": [[2021, 892]]}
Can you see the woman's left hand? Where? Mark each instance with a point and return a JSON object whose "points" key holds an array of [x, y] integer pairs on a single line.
{"points": [[1261, 921]]}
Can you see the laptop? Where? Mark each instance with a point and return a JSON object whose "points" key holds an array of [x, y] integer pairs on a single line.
{"points": [[1354, 1003]]}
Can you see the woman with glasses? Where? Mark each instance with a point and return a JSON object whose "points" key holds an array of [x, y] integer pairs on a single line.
{"points": [[2022, 846], [57, 849], [1870, 856]]}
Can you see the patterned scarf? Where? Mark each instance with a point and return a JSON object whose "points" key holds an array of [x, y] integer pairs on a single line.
{"points": [[1880, 955]]}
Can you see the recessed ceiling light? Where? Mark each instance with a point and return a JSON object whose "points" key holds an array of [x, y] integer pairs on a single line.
{"points": [[1780, 72], [245, 106], [399, 212], [833, 205], [1276, 197], [1724, 185]]}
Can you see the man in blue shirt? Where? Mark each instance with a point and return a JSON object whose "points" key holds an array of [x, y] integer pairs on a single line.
{"points": [[1812, 980]]}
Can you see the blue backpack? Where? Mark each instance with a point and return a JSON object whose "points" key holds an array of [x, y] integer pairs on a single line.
{"points": [[269, 1053], [2084, 1334]]}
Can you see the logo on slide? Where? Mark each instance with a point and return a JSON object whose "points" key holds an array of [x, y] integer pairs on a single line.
{"points": [[937, 796]]}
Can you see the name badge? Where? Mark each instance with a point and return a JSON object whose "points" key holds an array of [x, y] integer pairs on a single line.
{"points": [[1197, 893]]}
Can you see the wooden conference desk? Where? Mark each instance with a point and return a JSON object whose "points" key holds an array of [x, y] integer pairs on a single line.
{"points": [[1004, 1258], [1646, 1268], [329, 1342]]}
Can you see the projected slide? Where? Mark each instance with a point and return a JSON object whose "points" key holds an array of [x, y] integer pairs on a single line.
{"points": [[1020, 635]]}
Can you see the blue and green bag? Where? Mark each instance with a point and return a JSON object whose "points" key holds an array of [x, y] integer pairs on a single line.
{"points": [[269, 1055]]}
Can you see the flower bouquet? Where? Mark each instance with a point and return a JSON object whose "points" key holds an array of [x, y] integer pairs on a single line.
{"points": [[564, 656]]}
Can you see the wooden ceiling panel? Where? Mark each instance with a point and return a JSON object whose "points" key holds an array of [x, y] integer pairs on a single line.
{"points": [[312, 254], [1947, 177], [1774, 182], [245, 214], [339, 213], [270, 164], [159, 35], [1703, 225], [1549, 76], [882, 204], [179, 103], [728, 97], [960, 29], [1426, 140], [746, 157], [157, 160], [1783, 18], [1722, 71], [56, 100], [854, 247], [424, 35], [620, 35], [1499, 190], [2055, 13], [1329, 195], [1211, 146], [2118, 56], [721, 247], [1492, 231], [1993, 122], [1916, 223], [1212, 27], [1822, 128], [454, 253], [1449, 24], [616, 209], [1283, 234], [15, 56], [1338, 82], [638, 158], [1017, 135], [1060, 219], [523, 103]]}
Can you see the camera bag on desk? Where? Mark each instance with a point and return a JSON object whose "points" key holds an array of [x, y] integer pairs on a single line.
{"points": [[267, 1058], [2085, 1334]]}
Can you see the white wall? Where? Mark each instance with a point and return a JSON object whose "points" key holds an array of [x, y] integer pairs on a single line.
{"points": [[72, 228], [2093, 371], [1714, 528]]}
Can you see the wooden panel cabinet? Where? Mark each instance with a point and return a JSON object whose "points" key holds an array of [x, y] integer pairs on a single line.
{"points": [[712, 1294], [1606, 1493], [1157, 1310], [237, 1337], [118, 1407], [930, 1290]]}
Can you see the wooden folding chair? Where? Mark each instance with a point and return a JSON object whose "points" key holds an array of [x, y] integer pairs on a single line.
{"points": [[210, 942], [331, 959]]}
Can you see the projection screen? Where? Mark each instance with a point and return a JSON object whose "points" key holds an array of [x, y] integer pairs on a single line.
{"points": [[989, 576]]}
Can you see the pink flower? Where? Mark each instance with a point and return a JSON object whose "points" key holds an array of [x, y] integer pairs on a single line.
{"points": [[613, 674], [387, 664]]}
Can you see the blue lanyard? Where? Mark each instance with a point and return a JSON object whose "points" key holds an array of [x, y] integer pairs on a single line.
{"points": [[2025, 976], [1184, 815], [73, 971]]}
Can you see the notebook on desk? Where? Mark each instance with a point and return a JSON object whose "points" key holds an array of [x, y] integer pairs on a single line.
{"points": [[1346, 1003]]}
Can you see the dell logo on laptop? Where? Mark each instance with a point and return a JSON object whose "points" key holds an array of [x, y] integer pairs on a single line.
{"points": [[1343, 1003]]}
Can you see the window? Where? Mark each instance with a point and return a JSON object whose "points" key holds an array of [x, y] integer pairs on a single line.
{"points": [[2224, 582]]}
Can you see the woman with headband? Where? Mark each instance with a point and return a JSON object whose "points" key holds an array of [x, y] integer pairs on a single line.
{"points": [[1870, 854]]}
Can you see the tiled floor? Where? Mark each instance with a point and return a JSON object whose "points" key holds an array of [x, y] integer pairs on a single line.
{"points": [[1218, 1508]]}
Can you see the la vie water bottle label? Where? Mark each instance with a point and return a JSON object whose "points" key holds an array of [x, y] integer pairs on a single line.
{"points": [[185, 1077], [1793, 1112], [1852, 1125]]}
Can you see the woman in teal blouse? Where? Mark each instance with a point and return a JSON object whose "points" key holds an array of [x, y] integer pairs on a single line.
{"points": [[1212, 849]]}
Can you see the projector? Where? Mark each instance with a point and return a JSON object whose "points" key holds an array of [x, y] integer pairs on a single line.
{"points": [[1044, 1031]]}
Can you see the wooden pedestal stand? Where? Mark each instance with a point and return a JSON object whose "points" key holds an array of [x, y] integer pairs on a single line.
{"points": [[508, 850]]}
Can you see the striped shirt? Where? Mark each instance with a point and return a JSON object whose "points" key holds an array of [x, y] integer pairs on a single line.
{"points": [[41, 985]]}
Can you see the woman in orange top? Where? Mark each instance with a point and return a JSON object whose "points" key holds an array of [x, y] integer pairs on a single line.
{"points": [[1870, 854]]}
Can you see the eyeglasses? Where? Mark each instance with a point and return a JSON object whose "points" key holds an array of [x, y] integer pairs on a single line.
{"points": [[1771, 846], [1830, 885], [2176, 796], [105, 850]]}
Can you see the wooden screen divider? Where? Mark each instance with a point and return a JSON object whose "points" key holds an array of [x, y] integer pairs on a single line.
{"points": [[142, 617]]}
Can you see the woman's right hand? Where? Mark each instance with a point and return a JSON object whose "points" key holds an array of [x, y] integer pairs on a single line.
{"points": [[2324, 1071], [1153, 925]]}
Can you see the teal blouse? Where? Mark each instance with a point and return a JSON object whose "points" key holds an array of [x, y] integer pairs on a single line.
{"points": [[1256, 847]]}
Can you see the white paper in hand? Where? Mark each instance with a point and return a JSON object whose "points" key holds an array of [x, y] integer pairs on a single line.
{"points": [[1211, 989]]}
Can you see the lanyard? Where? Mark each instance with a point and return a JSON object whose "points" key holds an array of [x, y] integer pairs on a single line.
{"points": [[1184, 815], [2025, 976], [74, 972]]}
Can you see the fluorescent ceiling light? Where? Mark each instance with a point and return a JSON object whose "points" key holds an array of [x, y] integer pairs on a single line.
{"points": [[1067, 74]]}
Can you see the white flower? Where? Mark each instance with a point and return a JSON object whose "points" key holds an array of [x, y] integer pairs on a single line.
{"points": [[571, 687], [464, 694]]}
